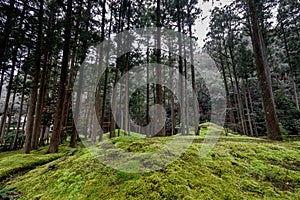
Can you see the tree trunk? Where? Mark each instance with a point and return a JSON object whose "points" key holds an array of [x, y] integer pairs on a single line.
{"points": [[39, 107], [159, 97], [12, 106], [180, 66], [6, 104], [264, 78], [14, 144], [74, 133], [34, 90], [251, 108], [185, 89], [42, 92], [173, 120], [194, 86], [148, 93], [67, 99], [55, 139], [238, 93], [248, 110], [2, 80]]}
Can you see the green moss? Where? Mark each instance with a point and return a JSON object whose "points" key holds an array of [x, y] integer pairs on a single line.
{"points": [[12, 162], [235, 169]]}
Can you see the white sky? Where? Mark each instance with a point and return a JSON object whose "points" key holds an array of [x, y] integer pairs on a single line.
{"points": [[202, 26]]}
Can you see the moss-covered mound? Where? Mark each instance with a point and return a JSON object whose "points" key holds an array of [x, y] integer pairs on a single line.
{"points": [[235, 169]]}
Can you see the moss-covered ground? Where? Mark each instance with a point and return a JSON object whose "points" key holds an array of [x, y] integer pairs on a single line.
{"points": [[15, 161], [238, 167]]}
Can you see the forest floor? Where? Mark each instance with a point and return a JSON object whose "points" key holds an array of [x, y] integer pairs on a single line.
{"points": [[238, 167]]}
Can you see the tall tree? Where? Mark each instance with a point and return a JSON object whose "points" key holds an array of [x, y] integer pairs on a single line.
{"points": [[55, 139], [34, 90], [263, 73], [159, 95]]}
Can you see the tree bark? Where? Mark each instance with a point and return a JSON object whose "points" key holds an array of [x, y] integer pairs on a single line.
{"points": [[41, 96], [264, 78], [12, 106], [34, 90], [55, 139], [14, 144], [159, 98], [4, 115]]}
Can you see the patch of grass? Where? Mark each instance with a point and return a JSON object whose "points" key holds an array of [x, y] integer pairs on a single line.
{"points": [[249, 169]]}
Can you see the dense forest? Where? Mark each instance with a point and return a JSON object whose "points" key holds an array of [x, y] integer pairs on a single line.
{"points": [[123, 99], [254, 45]]}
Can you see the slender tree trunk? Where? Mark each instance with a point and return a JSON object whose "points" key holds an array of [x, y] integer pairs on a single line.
{"points": [[185, 90], [238, 93], [95, 123], [273, 129], [194, 86], [230, 106], [42, 92], [235, 103], [34, 90], [6, 104], [70, 82], [248, 110], [251, 108], [12, 106], [112, 125], [127, 76], [14, 144], [255, 132], [180, 63], [55, 139], [159, 92], [67, 99], [42, 140], [127, 117], [98, 108], [229, 103], [40, 106], [74, 134], [2, 80], [112, 128], [148, 93], [171, 76], [25, 119]]}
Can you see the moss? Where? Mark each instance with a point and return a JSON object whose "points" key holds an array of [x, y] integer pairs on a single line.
{"points": [[12, 162], [235, 169]]}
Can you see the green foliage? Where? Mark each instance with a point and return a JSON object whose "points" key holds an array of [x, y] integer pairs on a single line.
{"points": [[288, 114]]}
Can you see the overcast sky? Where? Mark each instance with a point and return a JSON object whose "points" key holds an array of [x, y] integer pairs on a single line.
{"points": [[202, 26]]}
